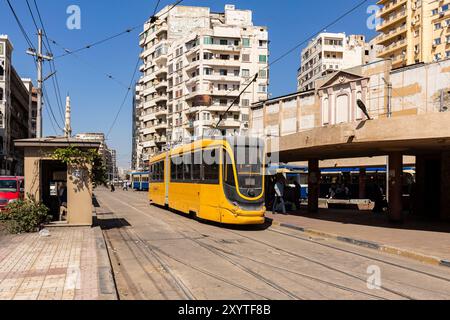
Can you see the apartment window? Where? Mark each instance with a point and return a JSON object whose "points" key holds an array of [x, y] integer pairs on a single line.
{"points": [[236, 87], [262, 43], [224, 57], [236, 73], [223, 72], [236, 58], [447, 54], [435, 11], [262, 74], [245, 102], [246, 42], [236, 42], [437, 57], [245, 73], [437, 41], [445, 7], [262, 58], [223, 42], [448, 39], [223, 102], [262, 88], [208, 56], [437, 26], [245, 58], [208, 40], [207, 71]]}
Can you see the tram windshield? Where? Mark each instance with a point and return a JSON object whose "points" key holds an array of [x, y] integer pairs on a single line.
{"points": [[248, 157]]}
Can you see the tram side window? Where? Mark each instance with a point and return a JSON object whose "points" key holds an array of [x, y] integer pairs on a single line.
{"points": [[197, 166], [211, 166], [228, 171], [173, 169], [187, 167]]}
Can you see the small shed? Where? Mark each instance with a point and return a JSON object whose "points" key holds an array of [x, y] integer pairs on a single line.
{"points": [[65, 190]]}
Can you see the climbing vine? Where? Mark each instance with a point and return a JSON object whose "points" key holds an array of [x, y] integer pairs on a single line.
{"points": [[73, 156]]}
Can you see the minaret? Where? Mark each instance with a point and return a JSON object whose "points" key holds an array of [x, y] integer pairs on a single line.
{"points": [[68, 128]]}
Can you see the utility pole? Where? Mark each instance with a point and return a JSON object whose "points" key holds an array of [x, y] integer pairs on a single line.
{"points": [[40, 58]]}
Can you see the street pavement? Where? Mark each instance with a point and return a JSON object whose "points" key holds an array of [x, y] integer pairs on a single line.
{"points": [[62, 266], [159, 254]]}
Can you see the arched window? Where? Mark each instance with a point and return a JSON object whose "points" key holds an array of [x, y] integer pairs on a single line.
{"points": [[325, 111], [342, 109]]}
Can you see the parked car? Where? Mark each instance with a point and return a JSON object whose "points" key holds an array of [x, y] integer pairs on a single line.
{"points": [[11, 189]]}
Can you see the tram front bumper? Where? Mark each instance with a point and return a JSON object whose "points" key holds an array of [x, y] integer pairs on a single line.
{"points": [[239, 216]]}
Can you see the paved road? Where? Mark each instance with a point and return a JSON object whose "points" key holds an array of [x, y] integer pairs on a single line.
{"points": [[158, 254]]}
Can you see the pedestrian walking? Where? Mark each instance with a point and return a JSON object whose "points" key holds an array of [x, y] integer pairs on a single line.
{"points": [[125, 186], [279, 194], [112, 187]]}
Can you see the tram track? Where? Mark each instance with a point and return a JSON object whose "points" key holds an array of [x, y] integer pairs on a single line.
{"points": [[265, 280], [231, 258]]}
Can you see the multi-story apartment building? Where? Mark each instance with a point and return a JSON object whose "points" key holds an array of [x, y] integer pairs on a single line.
{"points": [[329, 52], [109, 155], [15, 107], [33, 106], [414, 31], [195, 64]]}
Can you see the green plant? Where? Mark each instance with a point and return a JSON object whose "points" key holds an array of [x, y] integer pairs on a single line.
{"points": [[24, 216], [77, 157]]}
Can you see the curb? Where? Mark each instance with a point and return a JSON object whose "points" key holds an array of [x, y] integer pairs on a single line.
{"points": [[367, 244], [107, 287]]}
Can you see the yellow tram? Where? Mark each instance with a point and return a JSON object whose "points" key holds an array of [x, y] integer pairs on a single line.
{"points": [[216, 179]]}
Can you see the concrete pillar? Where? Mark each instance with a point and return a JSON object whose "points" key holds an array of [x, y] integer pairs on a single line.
{"points": [[418, 193], [313, 185], [395, 187], [362, 183], [445, 186]]}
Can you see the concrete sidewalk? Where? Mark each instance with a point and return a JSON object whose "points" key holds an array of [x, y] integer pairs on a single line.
{"points": [[71, 264], [428, 242]]}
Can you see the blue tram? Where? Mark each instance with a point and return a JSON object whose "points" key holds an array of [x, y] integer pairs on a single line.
{"points": [[139, 181]]}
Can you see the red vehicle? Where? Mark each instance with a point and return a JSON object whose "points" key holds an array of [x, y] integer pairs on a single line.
{"points": [[11, 189]]}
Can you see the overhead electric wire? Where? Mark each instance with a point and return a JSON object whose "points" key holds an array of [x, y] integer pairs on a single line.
{"points": [[153, 18], [22, 29], [109, 76], [284, 55], [52, 64]]}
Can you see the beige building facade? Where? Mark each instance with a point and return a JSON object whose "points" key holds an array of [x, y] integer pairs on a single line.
{"points": [[329, 52], [414, 31], [196, 62]]}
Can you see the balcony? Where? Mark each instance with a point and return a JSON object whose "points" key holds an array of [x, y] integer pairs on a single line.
{"points": [[222, 63], [396, 17], [161, 139], [161, 84], [382, 38], [162, 98], [148, 117], [147, 131], [161, 112], [149, 144], [161, 126], [161, 71], [148, 91], [389, 7], [228, 93], [223, 108], [218, 77], [230, 124], [392, 47], [222, 48]]}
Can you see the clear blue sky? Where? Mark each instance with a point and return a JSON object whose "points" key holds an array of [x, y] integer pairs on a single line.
{"points": [[96, 99]]}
